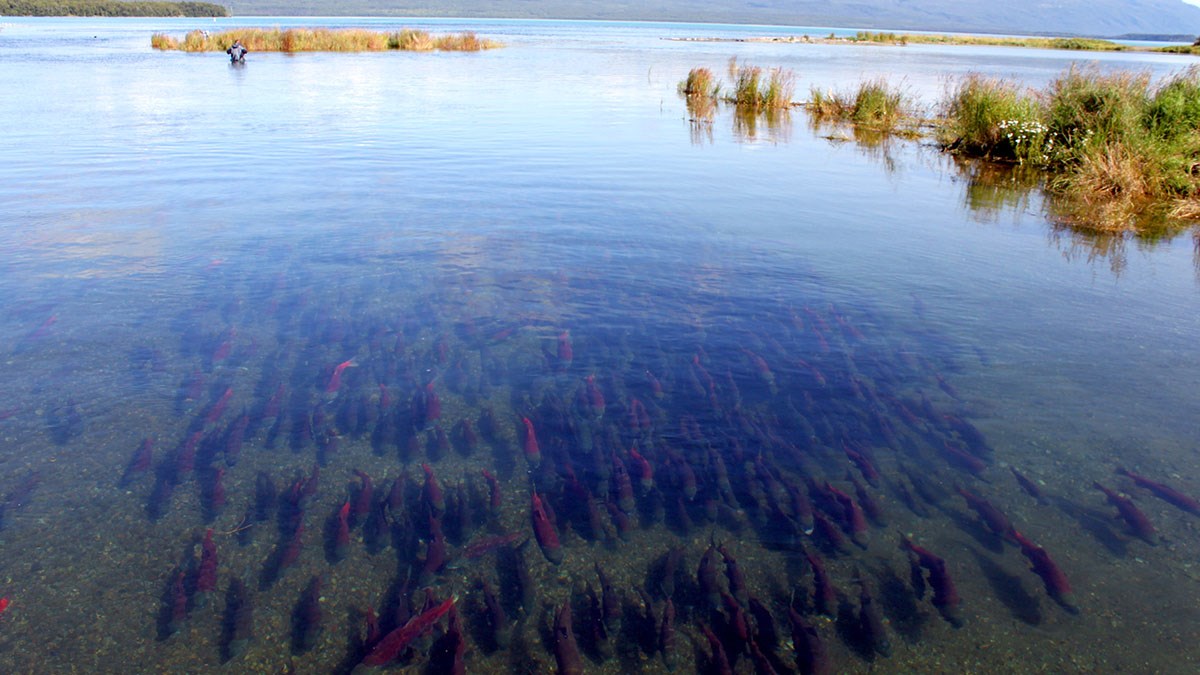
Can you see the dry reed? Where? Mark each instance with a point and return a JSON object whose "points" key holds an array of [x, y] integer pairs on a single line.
{"points": [[322, 40]]}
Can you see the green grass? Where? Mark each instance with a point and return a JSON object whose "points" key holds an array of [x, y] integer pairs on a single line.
{"points": [[1118, 146], [876, 104], [754, 93], [321, 40], [993, 118], [757, 89]]}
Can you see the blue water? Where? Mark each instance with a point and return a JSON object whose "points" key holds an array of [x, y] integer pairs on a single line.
{"points": [[444, 220]]}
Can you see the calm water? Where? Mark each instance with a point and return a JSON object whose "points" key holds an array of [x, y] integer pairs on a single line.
{"points": [[191, 249]]}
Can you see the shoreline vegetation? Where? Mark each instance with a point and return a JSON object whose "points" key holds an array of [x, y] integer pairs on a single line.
{"points": [[113, 8], [1118, 151], [903, 39], [323, 40]]}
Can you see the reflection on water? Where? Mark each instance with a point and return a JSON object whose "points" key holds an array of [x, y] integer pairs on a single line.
{"points": [[994, 190], [875, 144], [771, 125], [702, 110], [750, 124]]}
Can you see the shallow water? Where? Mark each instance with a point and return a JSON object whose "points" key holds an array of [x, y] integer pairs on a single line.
{"points": [[176, 228]]}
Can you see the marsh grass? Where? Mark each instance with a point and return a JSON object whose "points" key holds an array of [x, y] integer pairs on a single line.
{"points": [[761, 98], [745, 86], [993, 118], [162, 41], [875, 103], [753, 87], [879, 104], [1119, 146], [781, 85], [757, 89], [322, 40], [700, 83]]}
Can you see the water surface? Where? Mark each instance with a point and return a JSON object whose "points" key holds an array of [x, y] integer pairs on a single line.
{"points": [[176, 228]]}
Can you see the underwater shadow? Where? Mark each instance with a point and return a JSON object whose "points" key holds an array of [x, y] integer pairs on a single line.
{"points": [[1024, 606]]}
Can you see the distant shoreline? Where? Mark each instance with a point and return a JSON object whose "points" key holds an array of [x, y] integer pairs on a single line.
{"points": [[125, 9], [902, 39]]}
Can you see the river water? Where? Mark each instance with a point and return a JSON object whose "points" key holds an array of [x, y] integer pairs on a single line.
{"points": [[541, 232]]}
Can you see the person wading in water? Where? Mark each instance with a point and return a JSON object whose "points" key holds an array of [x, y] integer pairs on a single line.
{"points": [[236, 52]]}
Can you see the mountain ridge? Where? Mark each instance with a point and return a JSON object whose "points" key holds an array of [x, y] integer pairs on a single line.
{"points": [[1042, 17]]}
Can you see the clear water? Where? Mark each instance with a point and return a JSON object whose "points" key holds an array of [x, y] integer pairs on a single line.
{"points": [[174, 227]]}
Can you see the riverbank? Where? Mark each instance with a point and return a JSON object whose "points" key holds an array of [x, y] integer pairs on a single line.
{"points": [[323, 40]]}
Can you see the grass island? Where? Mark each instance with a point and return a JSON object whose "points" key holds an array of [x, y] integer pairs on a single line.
{"points": [[323, 40]]}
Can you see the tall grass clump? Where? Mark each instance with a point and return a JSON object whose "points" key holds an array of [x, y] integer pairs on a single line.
{"points": [[699, 90], [464, 42], [781, 85], [745, 86], [163, 42], [1111, 165], [879, 104], [753, 90], [875, 104], [700, 83], [1173, 112], [412, 40], [993, 118], [827, 104], [1088, 108]]}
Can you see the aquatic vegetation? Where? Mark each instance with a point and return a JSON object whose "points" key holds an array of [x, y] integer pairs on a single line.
{"points": [[993, 118], [755, 94], [1118, 147], [322, 40], [746, 86], [780, 87], [876, 103], [700, 83], [163, 41], [761, 90], [1122, 152]]}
